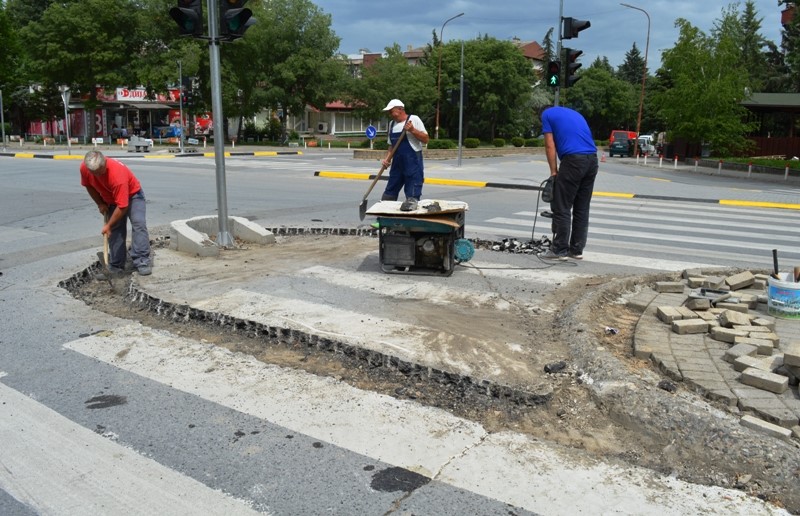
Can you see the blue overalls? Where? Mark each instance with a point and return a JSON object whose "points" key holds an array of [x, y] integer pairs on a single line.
{"points": [[406, 172]]}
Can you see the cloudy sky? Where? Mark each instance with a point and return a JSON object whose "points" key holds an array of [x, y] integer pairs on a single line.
{"points": [[376, 24]]}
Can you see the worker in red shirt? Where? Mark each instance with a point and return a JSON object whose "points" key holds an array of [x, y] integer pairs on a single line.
{"points": [[118, 196]]}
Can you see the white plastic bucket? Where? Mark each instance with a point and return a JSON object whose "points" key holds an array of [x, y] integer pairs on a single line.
{"points": [[783, 297]]}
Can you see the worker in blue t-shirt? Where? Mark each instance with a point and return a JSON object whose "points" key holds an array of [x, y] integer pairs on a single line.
{"points": [[567, 139]]}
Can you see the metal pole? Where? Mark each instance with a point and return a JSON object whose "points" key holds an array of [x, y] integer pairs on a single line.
{"points": [[224, 238], [439, 75], [461, 106], [180, 102], [2, 121], [65, 97], [558, 47], [644, 78]]}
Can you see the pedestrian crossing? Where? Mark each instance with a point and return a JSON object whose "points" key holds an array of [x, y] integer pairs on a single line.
{"points": [[694, 231]]}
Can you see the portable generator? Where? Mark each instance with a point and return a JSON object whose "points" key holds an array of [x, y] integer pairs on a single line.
{"points": [[428, 240]]}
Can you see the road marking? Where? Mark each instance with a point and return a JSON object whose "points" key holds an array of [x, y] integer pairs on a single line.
{"points": [[759, 204], [513, 468], [56, 466], [622, 259]]}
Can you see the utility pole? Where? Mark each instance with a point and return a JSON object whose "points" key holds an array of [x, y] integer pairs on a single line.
{"points": [[180, 102]]}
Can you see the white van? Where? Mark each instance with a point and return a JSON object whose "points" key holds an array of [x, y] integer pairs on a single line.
{"points": [[646, 145]]}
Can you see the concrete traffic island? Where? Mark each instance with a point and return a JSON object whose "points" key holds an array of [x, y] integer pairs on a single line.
{"points": [[195, 236]]}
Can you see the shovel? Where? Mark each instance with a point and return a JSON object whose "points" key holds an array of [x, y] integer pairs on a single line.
{"points": [[104, 257], [362, 208]]}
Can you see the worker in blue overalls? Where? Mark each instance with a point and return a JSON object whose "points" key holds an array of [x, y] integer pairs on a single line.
{"points": [[407, 170]]}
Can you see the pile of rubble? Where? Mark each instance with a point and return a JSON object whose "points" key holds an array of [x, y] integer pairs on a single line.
{"points": [[720, 339], [512, 245]]}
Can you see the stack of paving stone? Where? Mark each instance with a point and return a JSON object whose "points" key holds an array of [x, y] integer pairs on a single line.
{"points": [[714, 334]]}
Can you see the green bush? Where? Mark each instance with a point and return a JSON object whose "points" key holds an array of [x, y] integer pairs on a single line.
{"points": [[442, 144], [250, 131], [381, 145], [365, 143], [534, 142], [518, 141], [499, 142], [471, 143]]}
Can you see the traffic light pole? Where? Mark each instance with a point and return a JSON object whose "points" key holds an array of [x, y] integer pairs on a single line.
{"points": [[558, 47], [224, 238]]}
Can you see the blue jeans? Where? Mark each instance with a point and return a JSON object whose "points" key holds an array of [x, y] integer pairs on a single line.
{"points": [[140, 238], [572, 194]]}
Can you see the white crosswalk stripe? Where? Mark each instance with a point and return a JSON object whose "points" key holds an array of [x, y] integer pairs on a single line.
{"points": [[702, 232]]}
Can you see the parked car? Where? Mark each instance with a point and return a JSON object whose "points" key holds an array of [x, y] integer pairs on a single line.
{"points": [[621, 145], [620, 133]]}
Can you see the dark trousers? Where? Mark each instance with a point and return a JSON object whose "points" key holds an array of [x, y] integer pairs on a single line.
{"points": [[572, 194]]}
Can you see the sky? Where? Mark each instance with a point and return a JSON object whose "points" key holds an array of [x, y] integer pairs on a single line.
{"points": [[377, 24]]}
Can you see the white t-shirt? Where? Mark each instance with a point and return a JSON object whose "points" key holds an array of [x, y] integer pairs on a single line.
{"points": [[418, 125]]}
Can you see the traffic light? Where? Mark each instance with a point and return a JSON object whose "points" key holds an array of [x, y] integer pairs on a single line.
{"points": [[573, 26], [554, 74], [235, 18], [189, 17], [572, 56]]}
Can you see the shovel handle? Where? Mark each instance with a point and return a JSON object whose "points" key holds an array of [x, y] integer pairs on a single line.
{"points": [[105, 242], [383, 167]]}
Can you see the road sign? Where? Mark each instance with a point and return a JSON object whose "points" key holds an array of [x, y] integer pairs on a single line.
{"points": [[371, 132]]}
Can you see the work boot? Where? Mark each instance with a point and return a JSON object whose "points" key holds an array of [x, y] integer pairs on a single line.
{"points": [[410, 204]]}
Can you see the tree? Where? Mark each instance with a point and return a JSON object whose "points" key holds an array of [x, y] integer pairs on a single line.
{"points": [[390, 77], [606, 101], [68, 45], [9, 58], [156, 62], [500, 83], [548, 46], [632, 68], [23, 12], [706, 87], [285, 61], [752, 45], [791, 50]]}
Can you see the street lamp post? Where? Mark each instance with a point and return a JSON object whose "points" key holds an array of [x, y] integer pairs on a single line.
{"points": [[644, 78], [439, 75], [65, 97], [461, 105]]}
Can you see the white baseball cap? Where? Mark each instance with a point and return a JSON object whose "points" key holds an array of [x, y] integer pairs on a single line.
{"points": [[393, 104]]}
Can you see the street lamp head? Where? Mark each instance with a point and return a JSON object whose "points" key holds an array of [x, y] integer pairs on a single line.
{"points": [[439, 73], [441, 32]]}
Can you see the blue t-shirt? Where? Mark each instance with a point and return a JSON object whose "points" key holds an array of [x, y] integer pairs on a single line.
{"points": [[570, 131]]}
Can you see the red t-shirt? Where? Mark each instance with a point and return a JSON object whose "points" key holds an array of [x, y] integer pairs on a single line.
{"points": [[115, 186]]}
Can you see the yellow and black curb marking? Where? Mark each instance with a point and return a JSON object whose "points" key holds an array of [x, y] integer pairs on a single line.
{"points": [[30, 155], [620, 195]]}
